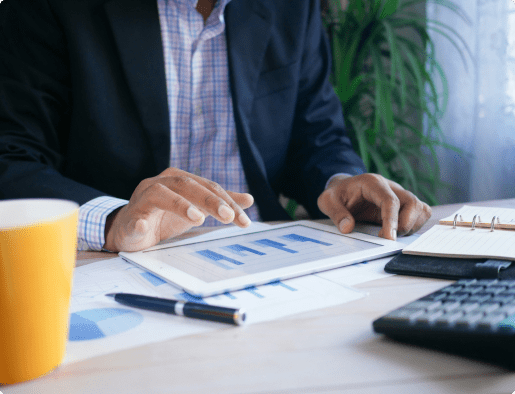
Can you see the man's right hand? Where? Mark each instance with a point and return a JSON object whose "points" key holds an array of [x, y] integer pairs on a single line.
{"points": [[170, 204]]}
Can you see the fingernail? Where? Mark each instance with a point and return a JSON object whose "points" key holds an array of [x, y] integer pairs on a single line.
{"points": [[244, 219], [225, 212], [343, 224], [393, 233], [194, 214]]}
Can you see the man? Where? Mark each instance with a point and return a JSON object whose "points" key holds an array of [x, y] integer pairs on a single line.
{"points": [[182, 107]]}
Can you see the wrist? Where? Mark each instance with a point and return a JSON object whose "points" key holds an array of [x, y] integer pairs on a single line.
{"points": [[109, 246], [336, 179]]}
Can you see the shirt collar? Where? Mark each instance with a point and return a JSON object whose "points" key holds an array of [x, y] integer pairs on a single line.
{"points": [[221, 4]]}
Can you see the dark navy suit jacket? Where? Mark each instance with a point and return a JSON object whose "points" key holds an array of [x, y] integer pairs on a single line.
{"points": [[83, 103]]}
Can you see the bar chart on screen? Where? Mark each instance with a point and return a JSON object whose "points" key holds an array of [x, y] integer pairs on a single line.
{"points": [[258, 252]]}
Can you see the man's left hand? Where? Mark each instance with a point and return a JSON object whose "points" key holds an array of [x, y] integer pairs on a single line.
{"points": [[373, 198]]}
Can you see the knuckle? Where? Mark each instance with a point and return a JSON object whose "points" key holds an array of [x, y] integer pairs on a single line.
{"points": [[181, 181], [176, 203], [394, 202], [215, 187], [154, 190], [169, 171], [211, 200], [376, 178], [419, 206], [410, 196], [146, 183]]}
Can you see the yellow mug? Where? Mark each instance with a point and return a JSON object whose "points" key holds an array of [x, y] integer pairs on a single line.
{"points": [[38, 241]]}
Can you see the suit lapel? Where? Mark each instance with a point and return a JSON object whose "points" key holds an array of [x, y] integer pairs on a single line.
{"points": [[136, 29], [248, 30]]}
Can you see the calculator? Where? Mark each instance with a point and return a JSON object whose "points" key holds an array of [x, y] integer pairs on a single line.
{"points": [[472, 317]]}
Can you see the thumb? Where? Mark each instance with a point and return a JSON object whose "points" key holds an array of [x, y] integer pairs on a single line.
{"points": [[337, 212], [343, 219], [134, 235]]}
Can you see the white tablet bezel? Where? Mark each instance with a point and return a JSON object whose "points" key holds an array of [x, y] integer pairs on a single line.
{"points": [[197, 287]]}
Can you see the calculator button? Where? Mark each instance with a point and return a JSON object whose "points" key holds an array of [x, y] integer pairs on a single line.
{"points": [[503, 299], [469, 319], [507, 293], [494, 289], [487, 282], [429, 317], [508, 309], [448, 319], [490, 321], [479, 297], [472, 289], [402, 316], [487, 308], [434, 296], [449, 306], [428, 305], [467, 307], [458, 296], [452, 289], [465, 282]]}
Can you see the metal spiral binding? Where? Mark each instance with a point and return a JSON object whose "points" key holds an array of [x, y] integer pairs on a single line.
{"points": [[492, 226], [455, 220], [476, 219]]}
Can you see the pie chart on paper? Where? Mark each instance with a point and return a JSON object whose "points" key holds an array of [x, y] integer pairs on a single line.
{"points": [[103, 322]]}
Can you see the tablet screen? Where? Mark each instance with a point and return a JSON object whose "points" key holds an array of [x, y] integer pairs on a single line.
{"points": [[241, 255]]}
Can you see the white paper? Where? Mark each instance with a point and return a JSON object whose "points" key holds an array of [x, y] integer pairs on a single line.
{"points": [[93, 314], [443, 240], [99, 315], [363, 272], [484, 214]]}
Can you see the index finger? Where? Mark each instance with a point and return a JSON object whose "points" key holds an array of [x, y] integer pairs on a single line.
{"points": [[225, 211], [380, 194]]}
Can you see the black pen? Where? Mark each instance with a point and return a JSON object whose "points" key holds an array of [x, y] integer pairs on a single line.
{"points": [[181, 308]]}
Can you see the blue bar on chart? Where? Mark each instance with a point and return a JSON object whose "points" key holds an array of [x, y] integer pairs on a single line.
{"points": [[252, 290], [229, 295], [192, 298], [301, 238], [154, 280], [273, 244], [215, 258], [240, 250], [279, 283]]}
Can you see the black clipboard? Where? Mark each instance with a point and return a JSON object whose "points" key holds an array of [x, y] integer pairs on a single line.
{"points": [[450, 268]]}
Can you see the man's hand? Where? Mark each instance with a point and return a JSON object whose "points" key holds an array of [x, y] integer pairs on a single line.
{"points": [[170, 204], [373, 198]]}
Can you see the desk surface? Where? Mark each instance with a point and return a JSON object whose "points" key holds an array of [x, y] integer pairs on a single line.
{"points": [[331, 350]]}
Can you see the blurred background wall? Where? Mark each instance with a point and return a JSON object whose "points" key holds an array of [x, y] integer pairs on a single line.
{"points": [[480, 117]]}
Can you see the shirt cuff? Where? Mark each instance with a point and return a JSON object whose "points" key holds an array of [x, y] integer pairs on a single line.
{"points": [[335, 175], [92, 221]]}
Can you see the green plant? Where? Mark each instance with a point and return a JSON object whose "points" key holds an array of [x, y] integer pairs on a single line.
{"points": [[382, 77]]}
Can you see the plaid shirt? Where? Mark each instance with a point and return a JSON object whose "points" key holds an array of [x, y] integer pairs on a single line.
{"points": [[203, 134]]}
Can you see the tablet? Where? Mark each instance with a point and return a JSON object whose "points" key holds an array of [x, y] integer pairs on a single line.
{"points": [[246, 259]]}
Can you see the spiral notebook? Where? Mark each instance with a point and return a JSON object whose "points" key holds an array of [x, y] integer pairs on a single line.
{"points": [[471, 232]]}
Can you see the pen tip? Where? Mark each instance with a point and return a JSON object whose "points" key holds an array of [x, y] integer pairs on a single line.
{"points": [[110, 295]]}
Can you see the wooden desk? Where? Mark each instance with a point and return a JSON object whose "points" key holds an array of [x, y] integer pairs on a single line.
{"points": [[329, 351]]}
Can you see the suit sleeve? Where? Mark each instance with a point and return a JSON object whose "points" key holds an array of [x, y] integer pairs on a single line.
{"points": [[320, 146], [35, 103]]}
